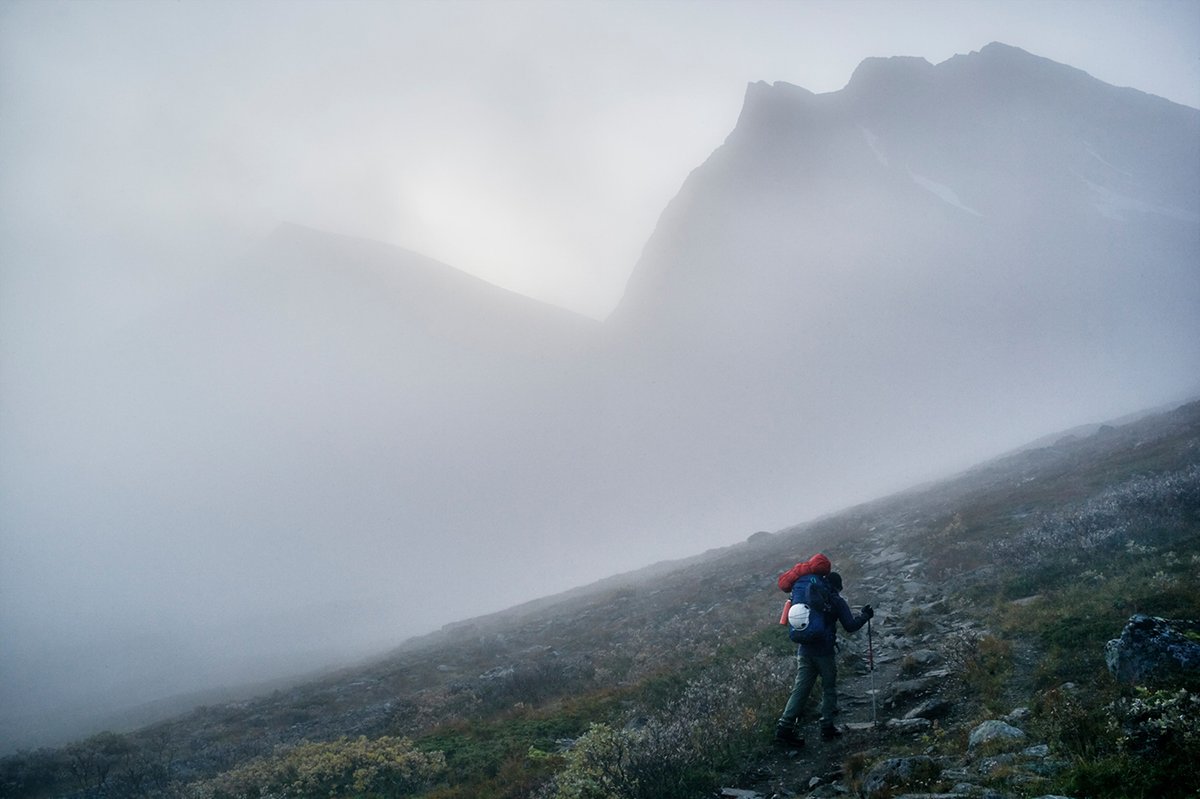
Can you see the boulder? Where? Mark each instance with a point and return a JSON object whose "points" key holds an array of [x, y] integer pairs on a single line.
{"points": [[759, 538], [924, 657], [889, 776], [1155, 652], [930, 709], [908, 690], [994, 732], [909, 725]]}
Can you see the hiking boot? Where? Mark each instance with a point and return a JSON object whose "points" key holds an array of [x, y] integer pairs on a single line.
{"points": [[829, 732], [788, 736]]}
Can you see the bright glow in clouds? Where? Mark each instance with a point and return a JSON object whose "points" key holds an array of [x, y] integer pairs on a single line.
{"points": [[531, 143]]}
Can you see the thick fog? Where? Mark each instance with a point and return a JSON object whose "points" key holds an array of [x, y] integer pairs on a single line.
{"points": [[257, 417]]}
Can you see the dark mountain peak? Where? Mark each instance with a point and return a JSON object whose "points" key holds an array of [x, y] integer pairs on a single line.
{"points": [[762, 92], [769, 105], [884, 74], [1008, 51], [1002, 65]]}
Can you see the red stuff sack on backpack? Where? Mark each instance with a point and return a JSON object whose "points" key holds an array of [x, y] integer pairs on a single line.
{"points": [[817, 564]]}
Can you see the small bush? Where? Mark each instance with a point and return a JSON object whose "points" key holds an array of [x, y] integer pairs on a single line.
{"points": [[1074, 723], [983, 665], [711, 727], [386, 766], [1162, 724], [1140, 747], [916, 624]]}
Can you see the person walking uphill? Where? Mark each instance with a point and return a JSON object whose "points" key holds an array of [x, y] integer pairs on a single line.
{"points": [[817, 608]]}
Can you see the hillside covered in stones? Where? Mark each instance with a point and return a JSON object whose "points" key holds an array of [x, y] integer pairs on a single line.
{"points": [[996, 594]]}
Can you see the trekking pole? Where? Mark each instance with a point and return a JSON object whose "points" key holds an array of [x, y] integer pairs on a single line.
{"points": [[871, 668]]}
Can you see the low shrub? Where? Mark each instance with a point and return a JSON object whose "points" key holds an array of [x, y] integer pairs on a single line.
{"points": [[360, 767], [712, 727], [1140, 747], [983, 665]]}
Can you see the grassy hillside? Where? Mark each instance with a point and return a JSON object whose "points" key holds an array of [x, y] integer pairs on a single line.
{"points": [[996, 591]]}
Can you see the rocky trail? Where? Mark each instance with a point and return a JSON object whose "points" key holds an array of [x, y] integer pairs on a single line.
{"points": [[902, 704]]}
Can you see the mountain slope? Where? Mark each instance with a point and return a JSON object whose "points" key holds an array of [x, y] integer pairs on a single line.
{"points": [[941, 563]]}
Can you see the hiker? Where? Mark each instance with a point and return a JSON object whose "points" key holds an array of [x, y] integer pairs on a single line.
{"points": [[815, 654]]}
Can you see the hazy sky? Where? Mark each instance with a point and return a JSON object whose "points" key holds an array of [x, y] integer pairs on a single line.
{"points": [[532, 143]]}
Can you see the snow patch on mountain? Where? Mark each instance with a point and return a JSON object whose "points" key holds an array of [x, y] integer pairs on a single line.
{"points": [[1091, 151], [873, 143], [942, 192], [1117, 206]]}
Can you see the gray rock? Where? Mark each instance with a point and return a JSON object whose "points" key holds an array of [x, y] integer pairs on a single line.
{"points": [[909, 725], [904, 690], [858, 726], [925, 657], [1018, 715], [886, 777], [989, 765], [759, 538], [740, 793], [930, 709], [992, 731], [1041, 750], [1154, 651]]}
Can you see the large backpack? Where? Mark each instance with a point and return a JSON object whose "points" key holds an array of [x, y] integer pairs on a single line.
{"points": [[808, 618]]}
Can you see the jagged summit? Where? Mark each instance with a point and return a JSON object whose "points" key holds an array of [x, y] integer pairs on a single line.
{"points": [[912, 88], [778, 105], [995, 69], [900, 73], [999, 56]]}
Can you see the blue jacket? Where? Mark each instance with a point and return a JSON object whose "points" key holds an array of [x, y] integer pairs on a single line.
{"points": [[839, 612]]}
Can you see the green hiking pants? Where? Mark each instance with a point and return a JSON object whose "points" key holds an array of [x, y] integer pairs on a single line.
{"points": [[807, 671]]}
